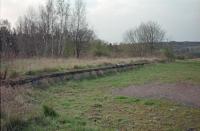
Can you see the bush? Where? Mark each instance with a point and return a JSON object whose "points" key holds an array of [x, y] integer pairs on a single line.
{"points": [[100, 49], [15, 107], [14, 74], [100, 53], [48, 111], [169, 54], [78, 67], [180, 57]]}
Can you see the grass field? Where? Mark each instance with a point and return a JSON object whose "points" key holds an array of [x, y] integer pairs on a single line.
{"points": [[34, 66], [89, 105]]}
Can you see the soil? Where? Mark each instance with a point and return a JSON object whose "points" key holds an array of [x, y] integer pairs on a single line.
{"points": [[187, 94]]}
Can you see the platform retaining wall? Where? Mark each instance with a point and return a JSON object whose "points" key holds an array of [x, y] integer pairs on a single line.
{"points": [[73, 75]]}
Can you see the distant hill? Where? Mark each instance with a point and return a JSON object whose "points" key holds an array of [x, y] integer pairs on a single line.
{"points": [[186, 47]]}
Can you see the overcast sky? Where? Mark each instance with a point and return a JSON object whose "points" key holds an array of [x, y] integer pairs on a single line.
{"points": [[111, 18]]}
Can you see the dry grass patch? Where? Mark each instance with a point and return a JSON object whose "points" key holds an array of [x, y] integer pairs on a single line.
{"points": [[16, 105], [34, 66]]}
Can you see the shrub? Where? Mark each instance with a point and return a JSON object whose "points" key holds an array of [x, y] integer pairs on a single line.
{"points": [[169, 54], [14, 74], [180, 57], [100, 50], [48, 111], [16, 105], [78, 67]]}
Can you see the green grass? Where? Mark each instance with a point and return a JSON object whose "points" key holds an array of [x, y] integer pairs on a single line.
{"points": [[89, 104], [49, 111]]}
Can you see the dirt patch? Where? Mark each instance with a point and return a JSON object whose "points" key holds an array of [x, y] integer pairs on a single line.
{"points": [[187, 94]]}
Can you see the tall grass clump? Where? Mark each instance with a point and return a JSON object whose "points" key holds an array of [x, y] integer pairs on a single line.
{"points": [[49, 111]]}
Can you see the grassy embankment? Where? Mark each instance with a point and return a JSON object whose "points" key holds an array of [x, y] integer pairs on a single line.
{"points": [[36, 66], [90, 105]]}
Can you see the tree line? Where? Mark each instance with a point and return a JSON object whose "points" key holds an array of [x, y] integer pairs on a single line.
{"points": [[58, 29], [49, 30]]}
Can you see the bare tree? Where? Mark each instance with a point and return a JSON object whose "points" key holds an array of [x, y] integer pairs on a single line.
{"points": [[78, 25], [32, 25], [38, 31], [129, 36], [5, 29], [149, 33], [63, 18], [43, 29], [51, 17], [8, 47], [28, 34], [53, 29]]}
